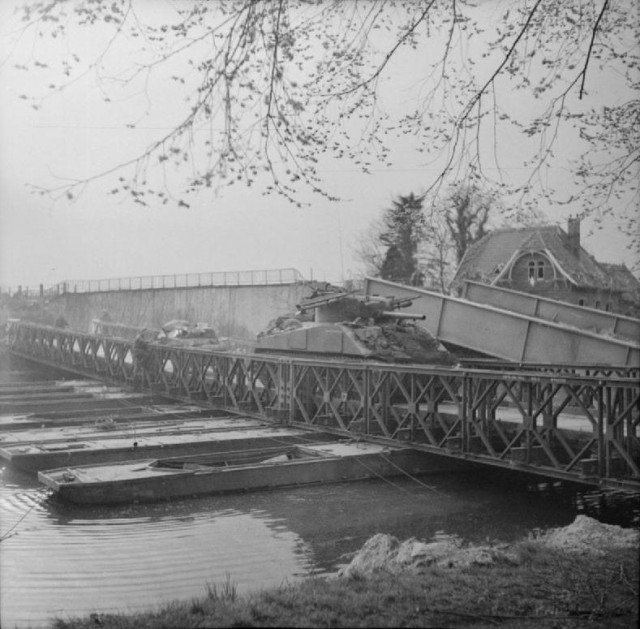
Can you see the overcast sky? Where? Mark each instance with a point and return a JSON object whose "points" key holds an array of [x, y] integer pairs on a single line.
{"points": [[76, 134]]}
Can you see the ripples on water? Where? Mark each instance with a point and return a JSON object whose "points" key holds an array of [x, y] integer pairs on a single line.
{"points": [[69, 560]]}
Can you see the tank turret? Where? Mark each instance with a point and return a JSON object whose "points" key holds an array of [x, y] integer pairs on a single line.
{"points": [[334, 323]]}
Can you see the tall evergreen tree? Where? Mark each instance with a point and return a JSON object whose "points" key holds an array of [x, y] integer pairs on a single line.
{"points": [[403, 229]]}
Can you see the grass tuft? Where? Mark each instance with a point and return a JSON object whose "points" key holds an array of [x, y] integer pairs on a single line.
{"points": [[227, 592]]}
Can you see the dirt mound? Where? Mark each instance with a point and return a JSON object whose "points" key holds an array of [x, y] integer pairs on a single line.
{"points": [[586, 535], [386, 553]]}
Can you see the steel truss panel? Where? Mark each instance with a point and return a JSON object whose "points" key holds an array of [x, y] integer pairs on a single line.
{"points": [[570, 426]]}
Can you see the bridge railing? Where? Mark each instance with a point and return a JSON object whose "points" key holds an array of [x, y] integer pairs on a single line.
{"points": [[185, 280], [567, 426], [260, 277], [30, 292]]}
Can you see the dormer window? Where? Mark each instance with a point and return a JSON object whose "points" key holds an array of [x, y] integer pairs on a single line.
{"points": [[529, 269]]}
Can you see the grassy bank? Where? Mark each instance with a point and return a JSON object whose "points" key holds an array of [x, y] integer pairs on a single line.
{"points": [[530, 586]]}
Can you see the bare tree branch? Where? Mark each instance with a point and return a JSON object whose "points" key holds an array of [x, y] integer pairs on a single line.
{"points": [[588, 55], [276, 91]]}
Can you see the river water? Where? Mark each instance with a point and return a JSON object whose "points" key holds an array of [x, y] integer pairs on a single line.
{"points": [[59, 560], [63, 560]]}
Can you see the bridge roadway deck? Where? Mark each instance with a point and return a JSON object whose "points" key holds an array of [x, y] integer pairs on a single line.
{"points": [[548, 420]]}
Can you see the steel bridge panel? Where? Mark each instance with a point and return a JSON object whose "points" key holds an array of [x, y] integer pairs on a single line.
{"points": [[499, 335], [504, 334], [552, 310], [546, 344]]}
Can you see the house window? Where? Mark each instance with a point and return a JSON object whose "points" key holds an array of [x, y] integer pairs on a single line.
{"points": [[580, 302], [608, 307], [540, 269], [598, 305], [532, 270]]}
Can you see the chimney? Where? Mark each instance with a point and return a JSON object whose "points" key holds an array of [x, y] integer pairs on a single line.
{"points": [[573, 233]]}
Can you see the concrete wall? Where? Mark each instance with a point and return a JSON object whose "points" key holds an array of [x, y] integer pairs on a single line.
{"points": [[238, 311]]}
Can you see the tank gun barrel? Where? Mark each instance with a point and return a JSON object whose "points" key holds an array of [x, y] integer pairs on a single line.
{"points": [[403, 315], [319, 301], [389, 302], [401, 303]]}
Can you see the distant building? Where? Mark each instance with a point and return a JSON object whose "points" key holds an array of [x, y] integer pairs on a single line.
{"points": [[547, 261]]}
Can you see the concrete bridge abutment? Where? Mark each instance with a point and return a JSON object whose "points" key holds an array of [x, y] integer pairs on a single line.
{"points": [[233, 311]]}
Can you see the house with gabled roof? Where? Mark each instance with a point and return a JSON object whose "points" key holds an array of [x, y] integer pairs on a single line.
{"points": [[547, 261]]}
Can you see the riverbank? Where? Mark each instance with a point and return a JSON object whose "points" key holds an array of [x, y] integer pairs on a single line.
{"points": [[582, 575]]}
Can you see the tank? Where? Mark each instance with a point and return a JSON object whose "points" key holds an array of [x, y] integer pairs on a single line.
{"points": [[182, 333], [333, 323]]}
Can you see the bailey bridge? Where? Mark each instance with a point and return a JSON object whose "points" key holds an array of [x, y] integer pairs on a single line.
{"points": [[519, 407]]}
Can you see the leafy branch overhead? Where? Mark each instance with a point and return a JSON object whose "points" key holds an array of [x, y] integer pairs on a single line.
{"points": [[275, 92]]}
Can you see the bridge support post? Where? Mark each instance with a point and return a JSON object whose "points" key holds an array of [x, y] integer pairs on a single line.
{"points": [[464, 412], [366, 401], [600, 429]]}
